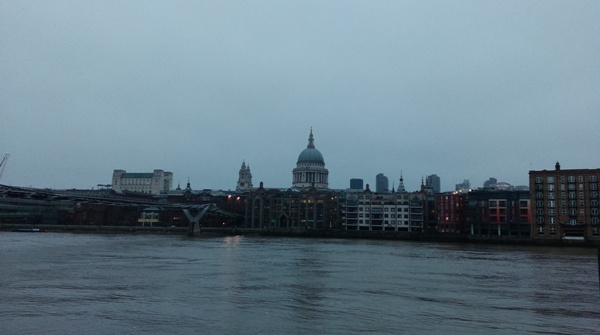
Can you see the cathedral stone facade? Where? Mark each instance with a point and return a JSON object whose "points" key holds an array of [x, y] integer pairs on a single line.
{"points": [[310, 168]]}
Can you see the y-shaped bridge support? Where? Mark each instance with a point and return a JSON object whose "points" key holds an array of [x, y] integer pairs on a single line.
{"points": [[194, 220]]}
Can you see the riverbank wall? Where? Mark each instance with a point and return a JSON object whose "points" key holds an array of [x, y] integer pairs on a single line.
{"points": [[302, 233]]}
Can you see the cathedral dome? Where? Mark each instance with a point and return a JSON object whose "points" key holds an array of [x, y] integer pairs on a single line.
{"points": [[310, 169], [310, 154]]}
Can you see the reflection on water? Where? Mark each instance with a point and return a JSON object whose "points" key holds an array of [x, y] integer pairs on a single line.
{"points": [[107, 284]]}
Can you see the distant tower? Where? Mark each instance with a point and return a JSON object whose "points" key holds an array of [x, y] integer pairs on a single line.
{"points": [[490, 183], [433, 181], [382, 184], [245, 179], [356, 184], [464, 186]]}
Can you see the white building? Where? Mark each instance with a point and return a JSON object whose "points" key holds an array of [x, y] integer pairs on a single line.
{"points": [[310, 168], [155, 182], [396, 211]]}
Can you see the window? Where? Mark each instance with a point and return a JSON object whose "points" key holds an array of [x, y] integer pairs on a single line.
{"points": [[562, 178], [562, 187], [539, 195], [573, 212], [571, 179], [538, 179], [539, 203], [580, 179], [552, 220], [550, 179], [563, 203], [540, 212], [551, 195], [539, 187], [571, 195], [581, 203], [572, 203], [581, 195], [595, 211], [540, 220], [551, 212], [594, 195], [562, 195], [594, 203], [540, 230], [593, 186], [593, 179], [563, 212], [571, 187], [551, 203], [595, 221], [550, 187]]}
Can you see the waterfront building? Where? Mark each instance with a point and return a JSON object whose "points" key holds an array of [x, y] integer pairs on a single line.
{"points": [[155, 182], [451, 211], [499, 213], [565, 204], [293, 209], [382, 183], [434, 181], [356, 184], [397, 211], [244, 183], [310, 168]]}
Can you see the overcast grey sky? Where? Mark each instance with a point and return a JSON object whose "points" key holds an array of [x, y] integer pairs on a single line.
{"points": [[462, 89]]}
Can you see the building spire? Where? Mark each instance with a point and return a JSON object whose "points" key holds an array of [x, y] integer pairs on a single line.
{"points": [[401, 188], [311, 140]]}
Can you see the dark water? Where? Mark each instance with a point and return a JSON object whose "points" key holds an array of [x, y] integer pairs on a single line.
{"points": [[151, 284]]}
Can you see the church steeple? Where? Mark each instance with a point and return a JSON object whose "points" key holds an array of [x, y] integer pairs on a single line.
{"points": [[401, 185]]}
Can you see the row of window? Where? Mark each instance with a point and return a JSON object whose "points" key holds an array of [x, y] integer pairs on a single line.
{"points": [[563, 203], [360, 215], [400, 222], [563, 187], [570, 179], [572, 195], [572, 212]]}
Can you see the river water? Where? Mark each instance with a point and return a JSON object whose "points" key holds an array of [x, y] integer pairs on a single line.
{"points": [[160, 284]]}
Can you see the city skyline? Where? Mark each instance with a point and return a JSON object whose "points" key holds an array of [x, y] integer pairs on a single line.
{"points": [[460, 89]]}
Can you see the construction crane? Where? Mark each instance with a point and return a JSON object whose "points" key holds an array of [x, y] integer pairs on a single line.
{"points": [[3, 163]]}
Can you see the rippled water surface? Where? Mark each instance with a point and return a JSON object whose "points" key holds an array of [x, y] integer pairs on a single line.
{"points": [[156, 284]]}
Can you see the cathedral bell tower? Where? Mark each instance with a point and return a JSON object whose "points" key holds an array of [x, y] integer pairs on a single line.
{"points": [[245, 179]]}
